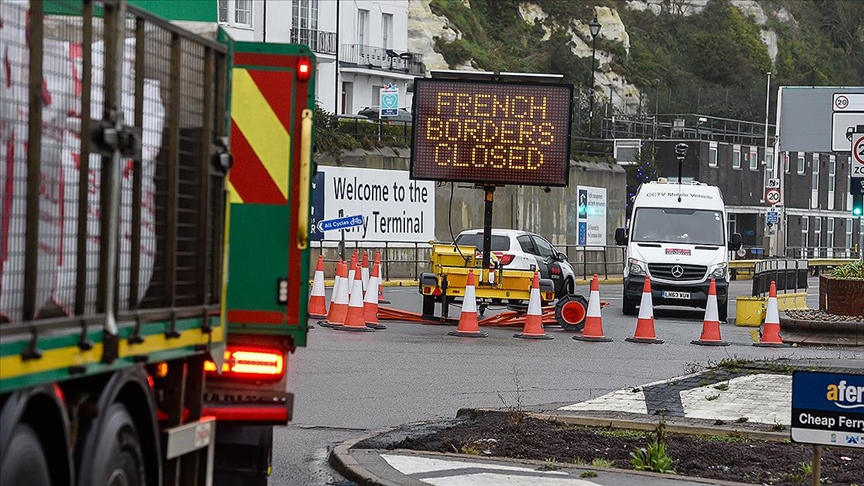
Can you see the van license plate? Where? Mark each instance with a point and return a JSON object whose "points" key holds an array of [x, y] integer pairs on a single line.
{"points": [[666, 294]]}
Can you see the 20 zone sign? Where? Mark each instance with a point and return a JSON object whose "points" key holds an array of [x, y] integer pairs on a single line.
{"points": [[858, 155], [491, 133]]}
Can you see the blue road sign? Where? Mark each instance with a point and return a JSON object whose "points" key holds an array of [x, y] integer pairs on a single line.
{"points": [[828, 408], [341, 223], [317, 205], [773, 217]]}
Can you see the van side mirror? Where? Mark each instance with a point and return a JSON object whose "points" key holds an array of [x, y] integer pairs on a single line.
{"points": [[735, 242], [620, 237]]}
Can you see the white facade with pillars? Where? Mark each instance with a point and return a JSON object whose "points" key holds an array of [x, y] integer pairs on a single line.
{"points": [[366, 30]]}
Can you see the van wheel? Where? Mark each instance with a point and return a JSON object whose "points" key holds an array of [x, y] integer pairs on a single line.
{"points": [[25, 463], [723, 310], [119, 460], [629, 306]]}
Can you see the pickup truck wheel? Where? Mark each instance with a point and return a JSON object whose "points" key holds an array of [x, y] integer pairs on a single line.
{"points": [[119, 460], [25, 462], [428, 305], [629, 306]]}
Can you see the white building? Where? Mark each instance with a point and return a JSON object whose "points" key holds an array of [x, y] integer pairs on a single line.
{"points": [[369, 44]]}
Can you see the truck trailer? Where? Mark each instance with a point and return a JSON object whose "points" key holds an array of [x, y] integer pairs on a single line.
{"points": [[140, 166]]}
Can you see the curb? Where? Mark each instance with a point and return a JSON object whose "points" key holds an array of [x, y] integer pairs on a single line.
{"points": [[343, 462]]}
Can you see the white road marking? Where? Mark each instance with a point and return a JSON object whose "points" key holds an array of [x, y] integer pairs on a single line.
{"points": [[492, 479], [618, 401], [420, 465], [762, 398]]}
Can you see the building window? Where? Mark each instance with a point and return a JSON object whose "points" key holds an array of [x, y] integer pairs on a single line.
{"points": [[817, 232], [805, 232], [362, 23], [733, 223], [304, 16], [800, 163], [786, 166], [848, 234], [754, 159], [829, 241], [814, 185], [769, 164], [832, 180], [712, 155], [848, 191], [386, 30], [236, 13], [223, 11], [243, 13], [736, 157]]}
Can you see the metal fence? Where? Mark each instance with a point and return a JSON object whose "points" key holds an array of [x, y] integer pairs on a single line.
{"points": [[407, 260], [786, 274], [810, 252]]}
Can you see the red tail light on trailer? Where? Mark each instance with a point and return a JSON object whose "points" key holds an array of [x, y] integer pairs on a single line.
{"points": [[251, 363], [304, 69]]}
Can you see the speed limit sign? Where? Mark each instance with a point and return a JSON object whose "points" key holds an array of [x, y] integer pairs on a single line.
{"points": [[772, 195]]}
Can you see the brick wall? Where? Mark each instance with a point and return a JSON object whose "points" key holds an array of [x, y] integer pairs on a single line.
{"points": [[843, 297]]}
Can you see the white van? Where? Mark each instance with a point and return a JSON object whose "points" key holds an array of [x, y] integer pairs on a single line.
{"points": [[681, 246]]}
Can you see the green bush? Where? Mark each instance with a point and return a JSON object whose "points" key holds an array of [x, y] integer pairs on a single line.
{"points": [[653, 458], [851, 271]]}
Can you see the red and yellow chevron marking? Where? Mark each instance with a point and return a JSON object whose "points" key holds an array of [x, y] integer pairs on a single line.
{"points": [[260, 137]]}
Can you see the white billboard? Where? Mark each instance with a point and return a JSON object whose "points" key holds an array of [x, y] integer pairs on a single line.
{"points": [[591, 216], [394, 207]]}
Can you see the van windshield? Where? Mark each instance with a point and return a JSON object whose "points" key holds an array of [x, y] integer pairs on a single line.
{"points": [[674, 225]]}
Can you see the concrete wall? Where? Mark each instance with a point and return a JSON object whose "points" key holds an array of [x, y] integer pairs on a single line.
{"points": [[551, 214]]}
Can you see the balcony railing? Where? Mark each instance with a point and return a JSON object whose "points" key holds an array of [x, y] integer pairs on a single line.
{"points": [[380, 58], [318, 40]]}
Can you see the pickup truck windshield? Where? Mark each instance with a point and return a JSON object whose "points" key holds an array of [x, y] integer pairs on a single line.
{"points": [[674, 225]]}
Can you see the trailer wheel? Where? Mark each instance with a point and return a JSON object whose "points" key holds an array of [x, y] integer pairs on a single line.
{"points": [[119, 460], [25, 462]]}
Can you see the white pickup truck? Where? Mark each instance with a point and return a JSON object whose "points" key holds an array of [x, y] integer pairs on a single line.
{"points": [[678, 237]]}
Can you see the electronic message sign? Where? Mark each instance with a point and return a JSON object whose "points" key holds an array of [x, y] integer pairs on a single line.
{"points": [[491, 132]]}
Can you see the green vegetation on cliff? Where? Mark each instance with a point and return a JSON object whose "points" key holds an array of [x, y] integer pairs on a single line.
{"points": [[713, 62]]}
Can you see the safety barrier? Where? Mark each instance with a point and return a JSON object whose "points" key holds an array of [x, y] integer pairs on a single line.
{"points": [[787, 274]]}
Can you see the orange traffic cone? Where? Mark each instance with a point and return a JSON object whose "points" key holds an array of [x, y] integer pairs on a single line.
{"points": [[381, 299], [534, 319], [351, 268], [356, 318], [339, 301], [317, 300], [468, 320], [645, 324], [593, 322], [770, 335], [711, 324], [364, 271], [370, 303]]}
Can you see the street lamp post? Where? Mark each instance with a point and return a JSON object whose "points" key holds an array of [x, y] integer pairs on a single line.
{"points": [[594, 27]]}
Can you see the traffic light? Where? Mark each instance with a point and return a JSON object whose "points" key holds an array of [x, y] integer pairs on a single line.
{"points": [[857, 205]]}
